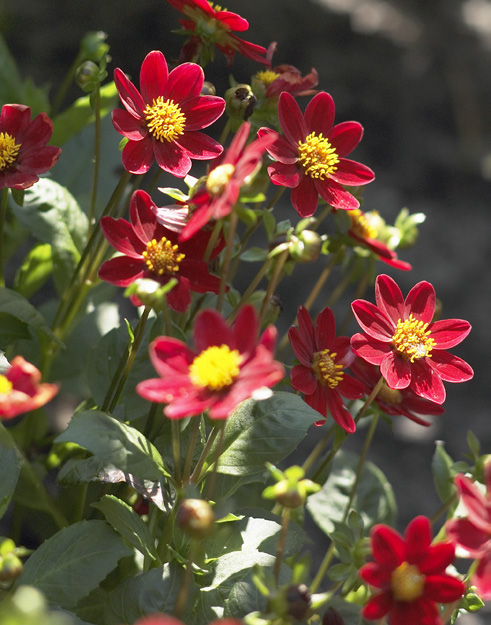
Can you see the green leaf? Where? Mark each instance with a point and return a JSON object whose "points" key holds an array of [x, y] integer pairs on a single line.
{"points": [[441, 467], [242, 599], [14, 304], [11, 329], [254, 254], [9, 468], [70, 564], [35, 270], [115, 443]]}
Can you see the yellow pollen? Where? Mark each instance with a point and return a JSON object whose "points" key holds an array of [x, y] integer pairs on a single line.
{"points": [[390, 396], [317, 157], [165, 120], [8, 150], [407, 582], [219, 178], [215, 368], [216, 7], [412, 339], [327, 371], [5, 385], [267, 77], [360, 225], [161, 257]]}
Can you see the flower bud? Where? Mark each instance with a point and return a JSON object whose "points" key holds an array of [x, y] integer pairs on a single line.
{"points": [[299, 600], [306, 247], [88, 76], [208, 88], [195, 517], [10, 567], [332, 617], [289, 495], [241, 102]]}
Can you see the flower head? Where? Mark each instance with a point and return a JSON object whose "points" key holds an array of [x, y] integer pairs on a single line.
{"points": [[23, 150], [321, 374], [21, 389], [226, 367], [310, 155], [400, 337], [410, 574], [150, 250], [163, 121]]}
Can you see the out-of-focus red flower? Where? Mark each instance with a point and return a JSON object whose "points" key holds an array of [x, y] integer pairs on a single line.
{"points": [[275, 80], [227, 366], [411, 349], [162, 121], [473, 532], [165, 619], [21, 389], [310, 155], [23, 150], [410, 574], [150, 250], [214, 27], [321, 374]]}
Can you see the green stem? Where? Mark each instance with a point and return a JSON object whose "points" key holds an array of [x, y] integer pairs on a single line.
{"points": [[318, 220], [318, 449], [281, 542], [275, 198], [210, 486], [212, 240], [244, 240], [65, 85], [196, 475], [3, 222], [274, 281], [250, 289], [232, 228], [322, 569], [185, 582], [190, 452], [225, 132], [97, 157], [176, 449], [163, 543]]}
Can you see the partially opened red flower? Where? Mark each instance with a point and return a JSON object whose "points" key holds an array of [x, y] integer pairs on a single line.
{"points": [[401, 337], [310, 155], [23, 150], [409, 573], [162, 121], [473, 532], [21, 389], [321, 374], [150, 250], [227, 366]]}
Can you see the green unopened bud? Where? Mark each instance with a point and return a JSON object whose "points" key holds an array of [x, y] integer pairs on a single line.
{"points": [[93, 46], [241, 102], [150, 292], [195, 517], [306, 247], [10, 567], [291, 490], [88, 76], [332, 617], [299, 599], [208, 88]]}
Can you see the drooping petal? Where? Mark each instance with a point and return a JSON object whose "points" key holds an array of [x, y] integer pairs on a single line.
{"points": [[339, 412], [153, 76], [420, 302], [448, 333], [319, 114], [291, 119]]}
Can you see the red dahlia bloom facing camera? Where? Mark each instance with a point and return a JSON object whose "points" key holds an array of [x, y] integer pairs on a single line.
{"points": [[23, 150], [163, 121], [227, 366], [310, 155], [400, 337]]}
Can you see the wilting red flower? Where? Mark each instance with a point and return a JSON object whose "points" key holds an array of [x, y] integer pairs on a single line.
{"points": [[400, 337], [321, 374], [473, 533], [21, 389], [216, 198], [163, 121], [228, 365], [150, 250], [410, 574], [165, 619], [393, 401], [23, 150], [213, 26], [310, 155]]}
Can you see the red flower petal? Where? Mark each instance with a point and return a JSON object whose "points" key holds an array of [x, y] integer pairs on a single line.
{"points": [[449, 367], [202, 111], [122, 270], [126, 124], [420, 302], [345, 137], [143, 218], [304, 197], [129, 94], [184, 82], [418, 539], [396, 371], [389, 298], [449, 332], [172, 158], [200, 146], [291, 119], [301, 346], [245, 330], [369, 349], [210, 328], [352, 173], [335, 194], [153, 76], [475, 503], [319, 114], [122, 237], [351, 388], [339, 412], [303, 379], [388, 547], [378, 606], [426, 382], [375, 575], [482, 578], [281, 149], [373, 321], [286, 176], [469, 536], [137, 156], [325, 329], [437, 558], [443, 588], [318, 401]]}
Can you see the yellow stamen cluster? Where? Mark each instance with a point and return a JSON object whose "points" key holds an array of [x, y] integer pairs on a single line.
{"points": [[267, 77], [360, 225], [216, 7], [317, 156], [8, 150], [219, 178], [327, 371], [412, 339], [165, 119], [407, 582], [161, 257], [215, 368], [390, 396], [5, 385]]}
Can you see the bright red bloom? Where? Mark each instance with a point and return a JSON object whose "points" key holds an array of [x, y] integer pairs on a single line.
{"points": [[321, 374], [216, 198], [163, 121], [227, 366], [473, 533], [214, 27], [165, 619], [21, 389], [310, 155], [23, 150], [150, 250], [410, 348], [410, 574]]}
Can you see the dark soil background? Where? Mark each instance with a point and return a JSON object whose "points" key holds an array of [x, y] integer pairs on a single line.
{"points": [[417, 76]]}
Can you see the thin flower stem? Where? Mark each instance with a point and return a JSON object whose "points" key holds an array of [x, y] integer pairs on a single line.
{"points": [[444, 507], [340, 289], [281, 542], [176, 449], [185, 582], [196, 475], [163, 543], [210, 486], [225, 132], [275, 198], [190, 452], [3, 222], [97, 157], [325, 213], [274, 281], [250, 289], [322, 569], [318, 449], [212, 240], [65, 85], [369, 399], [244, 240], [149, 423], [232, 228]]}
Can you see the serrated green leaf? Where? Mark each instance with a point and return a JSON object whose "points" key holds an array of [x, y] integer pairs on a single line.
{"points": [[9, 469], [14, 304]]}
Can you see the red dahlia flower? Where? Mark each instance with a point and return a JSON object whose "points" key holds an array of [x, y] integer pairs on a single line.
{"points": [[310, 155], [227, 366], [321, 374], [150, 250], [21, 389], [410, 574], [401, 338], [163, 121], [213, 26], [473, 533], [23, 150]]}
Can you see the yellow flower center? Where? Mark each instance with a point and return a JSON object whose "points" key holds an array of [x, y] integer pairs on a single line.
{"points": [[317, 156], [390, 396], [164, 119], [219, 178], [8, 150], [216, 7], [5, 385], [407, 582], [161, 257], [326, 370], [412, 339], [215, 368], [267, 77], [360, 225]]}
